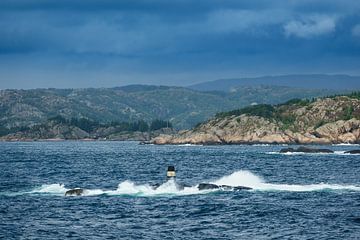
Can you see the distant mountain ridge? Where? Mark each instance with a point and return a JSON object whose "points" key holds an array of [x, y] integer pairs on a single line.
{"points": [[307, 81], [183, 107]]}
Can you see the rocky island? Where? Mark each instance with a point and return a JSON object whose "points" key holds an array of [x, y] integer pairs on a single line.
{"points": [[329, 120]]}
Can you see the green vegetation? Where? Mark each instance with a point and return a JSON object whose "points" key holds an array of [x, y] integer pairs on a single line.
{"points": [[261, 110], [277, 113], [284, 113], [198, 125], [58, 119], [299, 102], [184, 106], [355, 95], [265, 111], [90, 126], [287, 120], [82, 123], [348, 113], [158, 124], [140, 126], [319, 124], [5, 131]]}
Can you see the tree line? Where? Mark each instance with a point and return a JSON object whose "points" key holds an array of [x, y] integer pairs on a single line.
{"points": [[91, 125]]}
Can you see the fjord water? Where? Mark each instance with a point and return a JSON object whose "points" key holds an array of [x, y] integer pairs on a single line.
{"points": [[295, 196]]}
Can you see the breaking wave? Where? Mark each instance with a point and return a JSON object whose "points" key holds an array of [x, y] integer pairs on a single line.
{"points": [[124, 188], [248, 179], [190, 145], [239, 178], [268, 144], [346, 144], [303, 153]]}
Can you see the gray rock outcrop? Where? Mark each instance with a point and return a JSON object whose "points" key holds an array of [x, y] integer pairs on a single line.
{"points": [[325, 121]]}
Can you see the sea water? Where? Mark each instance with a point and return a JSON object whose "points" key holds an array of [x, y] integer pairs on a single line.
{"points": [[294, 196]]}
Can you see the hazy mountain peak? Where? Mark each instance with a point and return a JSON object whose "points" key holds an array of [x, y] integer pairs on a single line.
{"points": [[307, 81]]}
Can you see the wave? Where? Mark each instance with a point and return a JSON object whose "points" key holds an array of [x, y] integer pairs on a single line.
{"points": [[303, 153], [124, 188], [268, 144], [169, 188], [189, 145], [51, 189], [248, 179], [346, 144]]}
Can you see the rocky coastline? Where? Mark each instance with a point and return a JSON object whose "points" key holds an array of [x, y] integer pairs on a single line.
{"points": [[323, 121]]}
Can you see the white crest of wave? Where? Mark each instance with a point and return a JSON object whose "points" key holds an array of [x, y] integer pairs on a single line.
{"points": [[124, 188], [239, 178], [167, 188], [248, 179], [346, 144], [55, 188], [306, 188], [190, 145], [312, 154]]}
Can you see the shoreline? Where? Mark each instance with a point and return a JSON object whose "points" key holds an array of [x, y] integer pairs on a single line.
{"points": [[259, 144], [141, 142], [67, 140]]}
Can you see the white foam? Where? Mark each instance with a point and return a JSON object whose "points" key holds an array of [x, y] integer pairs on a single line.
{"points": [[167, 188], [51, 189], [268, 145], [305, 188], [248, 179], [342, 153], [124, 188], [189, 145], [346, 144], [239, 178]]}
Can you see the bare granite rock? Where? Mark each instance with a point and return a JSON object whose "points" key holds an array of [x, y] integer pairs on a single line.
{"points": [[324, 121]]}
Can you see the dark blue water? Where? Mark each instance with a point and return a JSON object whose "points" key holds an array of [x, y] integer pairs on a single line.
{"points": [[295, 196]]}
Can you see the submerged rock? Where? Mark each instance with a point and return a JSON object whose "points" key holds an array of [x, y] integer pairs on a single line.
{"points": [[357, 151], [305, 150], [210, 186], [207, 186], [74, 192]]}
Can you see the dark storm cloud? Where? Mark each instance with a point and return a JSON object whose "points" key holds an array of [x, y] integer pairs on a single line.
{"points": [[106, 43], [139, 5]]}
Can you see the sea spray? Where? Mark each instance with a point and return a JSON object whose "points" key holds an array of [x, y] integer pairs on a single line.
{"points": [[340, 153], [55, 188], [248, 179], [238, 178]]}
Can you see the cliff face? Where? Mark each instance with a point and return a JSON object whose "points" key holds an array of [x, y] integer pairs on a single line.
{"points": [[325, 121]]}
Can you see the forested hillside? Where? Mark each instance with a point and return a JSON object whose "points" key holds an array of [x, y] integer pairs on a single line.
{"points": [[183, 107]]}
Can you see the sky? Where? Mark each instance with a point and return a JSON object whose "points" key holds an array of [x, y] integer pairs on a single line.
{"points": [[106, 43]]}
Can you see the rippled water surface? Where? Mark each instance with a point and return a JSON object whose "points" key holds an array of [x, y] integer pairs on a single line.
{"points": [[294, 196]]}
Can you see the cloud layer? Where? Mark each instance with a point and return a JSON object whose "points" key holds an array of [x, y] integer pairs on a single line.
{"points": [[310, 27], [82, 43]]}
